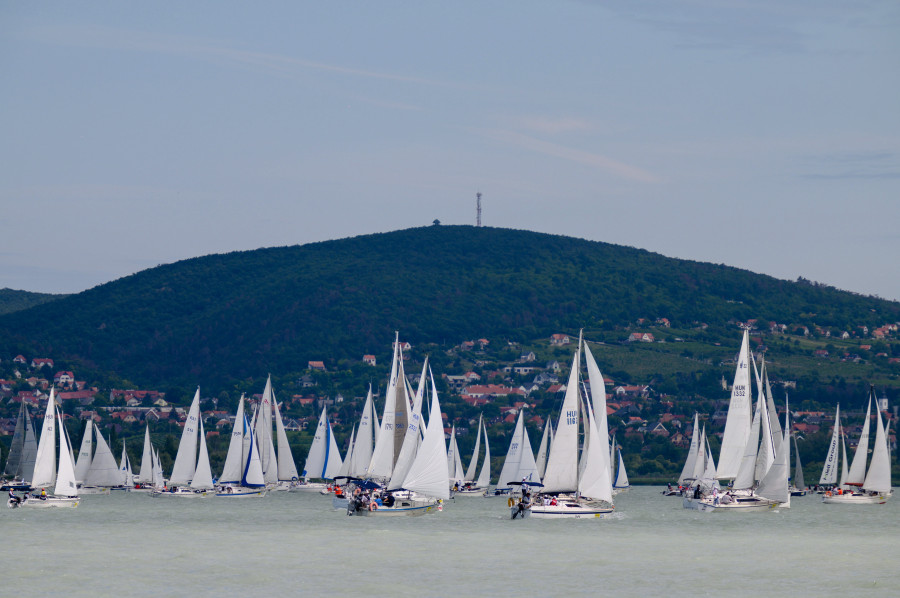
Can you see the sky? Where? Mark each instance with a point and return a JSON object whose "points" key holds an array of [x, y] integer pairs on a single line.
{"points": [[759, 134]]}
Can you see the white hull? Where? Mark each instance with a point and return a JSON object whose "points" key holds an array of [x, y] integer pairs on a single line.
{"points": [[566, 509], [401, 508], [479, 492], [240, 492], [743, 504], [857, 499], [49, 503], [308, 487], [93, 490], [183, 493], [621, 490]]}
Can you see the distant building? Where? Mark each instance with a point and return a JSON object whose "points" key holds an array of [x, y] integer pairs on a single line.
{"points": [[369, 359], [318, 366]]}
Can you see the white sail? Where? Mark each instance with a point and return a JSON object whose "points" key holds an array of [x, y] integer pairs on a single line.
{"points": [[158, 480], [527, 467], [473, 462], [774, 424], [737, 424], [774, 485], [23, 449], [104, 470], [83, 463], [688, 469], [126, 476], [382, 464], [344, 471], [594, 481], [324, 459], [146, 474], [484, 477], [598, 401], [235, 459], [879, 477], [412, 437], [45, 460], [186, 457], [857, 473], [621, 474], [287, 469], [252, 474], [513, 455], [765, 456], [562, 464], [454, 463], [799, 481], [844, 462], [543, 450], [429, 474], [830, 468], [700, 459], [263, 431], [365, 439], [65, 480], [746, 475], [202, 479]]}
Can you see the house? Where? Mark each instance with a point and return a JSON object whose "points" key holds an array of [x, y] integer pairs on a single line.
{"points": [[39, 362], [632, 391], [490, 390], [474, 401], [527, 357], [404, 346], [19, 359], [553, 366], [78, 395], [369, 359], [467, 345], [820, 353], [64, 378], [559, 339], [318, 366], [664, 322], [640, 337], [483, 342], [307, 381]]}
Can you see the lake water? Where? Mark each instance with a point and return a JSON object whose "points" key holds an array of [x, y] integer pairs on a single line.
{"points": [[294, 543]]}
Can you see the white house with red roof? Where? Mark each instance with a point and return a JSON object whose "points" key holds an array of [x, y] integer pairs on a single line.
{"points": [[39, 362], [64, 377], [370, 359], [560, 339], [640, 337]]}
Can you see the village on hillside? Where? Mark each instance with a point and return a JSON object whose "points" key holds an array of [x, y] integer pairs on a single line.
{"points": [[653, 426]]}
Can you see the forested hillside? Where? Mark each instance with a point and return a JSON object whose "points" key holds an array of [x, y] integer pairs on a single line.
{"points": [[227, 317]]}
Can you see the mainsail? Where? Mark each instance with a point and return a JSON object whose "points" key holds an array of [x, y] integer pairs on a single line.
{"points": [[737, 424]]}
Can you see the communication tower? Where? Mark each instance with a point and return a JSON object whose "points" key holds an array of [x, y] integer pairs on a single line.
{"points": [[478, 209]]}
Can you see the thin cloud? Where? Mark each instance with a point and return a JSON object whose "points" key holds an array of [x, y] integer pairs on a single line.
{"points": [[875, 164], [553, 126], [556, 150], [198, 49]]}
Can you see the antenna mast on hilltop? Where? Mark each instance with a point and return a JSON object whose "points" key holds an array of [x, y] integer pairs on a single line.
{"points": [[478, 209]]}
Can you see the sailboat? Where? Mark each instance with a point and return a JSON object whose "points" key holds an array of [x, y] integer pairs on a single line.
{"points": [[875, 487], [829, 476], [46, 473], [242, 474], [544, 448], [753, 450], [191, 475], [426, 483], [798, 484], [473, 486], [519, 463], [324, 459], [145, 480], [687, 472], [22, 452], [572, 487], [126, 475], [454, 462], [620, 481]]}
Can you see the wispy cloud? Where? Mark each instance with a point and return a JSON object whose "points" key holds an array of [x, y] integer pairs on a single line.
{"points": [[875, 164], [202, 49], [553, 126], [556, 150]]}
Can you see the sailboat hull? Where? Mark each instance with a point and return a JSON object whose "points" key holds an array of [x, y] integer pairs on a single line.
{"points": [[240, 492], [51, 502], [857, 499], [308, 487], [479, 492], [94, 490], [565, 509], [742, 505], [182, 493]]}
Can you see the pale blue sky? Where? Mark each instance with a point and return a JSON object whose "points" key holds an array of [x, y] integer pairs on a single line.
{"points": [[763, 135]]}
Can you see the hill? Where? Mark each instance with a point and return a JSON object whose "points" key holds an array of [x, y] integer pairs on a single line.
{"points": [[223, 318], [12, 300]]}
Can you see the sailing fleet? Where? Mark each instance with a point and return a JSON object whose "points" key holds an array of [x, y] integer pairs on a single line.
{"points": [[403, 465]]}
